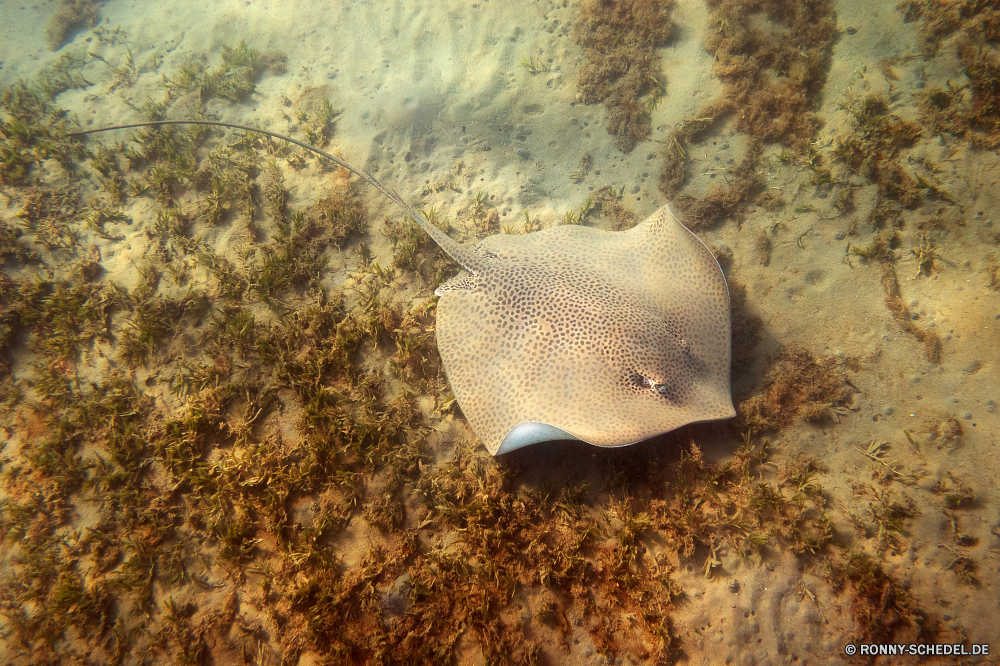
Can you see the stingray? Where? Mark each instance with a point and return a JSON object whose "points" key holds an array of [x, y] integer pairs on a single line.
{"points": [[607, 337]]}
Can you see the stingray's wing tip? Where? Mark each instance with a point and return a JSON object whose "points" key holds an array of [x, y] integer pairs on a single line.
{"points": [[531, 432]]}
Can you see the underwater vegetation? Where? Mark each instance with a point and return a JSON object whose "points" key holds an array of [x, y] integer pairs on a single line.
{"points": [[796, 383], [70, 15], [773, 69], [32, 131], [236, 455], [969, 106], [620, 39], [235, 79]]}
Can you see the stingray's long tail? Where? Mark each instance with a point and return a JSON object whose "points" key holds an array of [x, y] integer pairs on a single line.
{"points": [[459, 253]]}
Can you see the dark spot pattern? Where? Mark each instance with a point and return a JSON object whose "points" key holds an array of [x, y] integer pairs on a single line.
{"points": [[613, 337]]}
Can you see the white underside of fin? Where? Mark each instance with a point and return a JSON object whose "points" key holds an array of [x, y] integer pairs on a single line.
{"points": [[532, 432]]}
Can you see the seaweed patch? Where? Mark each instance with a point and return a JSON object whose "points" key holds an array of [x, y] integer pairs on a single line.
{"points": [[772, 77], [70, 15], [620, 38]]}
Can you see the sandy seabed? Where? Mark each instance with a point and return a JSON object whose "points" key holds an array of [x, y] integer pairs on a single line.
{"points": [[417, 545]]}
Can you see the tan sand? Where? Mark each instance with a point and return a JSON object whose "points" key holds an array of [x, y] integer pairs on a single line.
{"points": [[435, 103]]}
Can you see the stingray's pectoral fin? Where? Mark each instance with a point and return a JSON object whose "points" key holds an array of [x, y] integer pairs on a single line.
{"points": [[461, 282], [531, 432]]}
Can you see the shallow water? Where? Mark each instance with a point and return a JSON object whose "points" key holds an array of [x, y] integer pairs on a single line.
{"points": [[226, 432]]}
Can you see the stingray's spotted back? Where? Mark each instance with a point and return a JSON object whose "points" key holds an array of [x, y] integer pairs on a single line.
{"points": [[608, 337]]}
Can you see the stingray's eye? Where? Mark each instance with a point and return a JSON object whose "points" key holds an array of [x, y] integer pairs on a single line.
{"points": [[644, 383], [641, 382]]}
